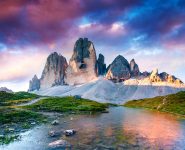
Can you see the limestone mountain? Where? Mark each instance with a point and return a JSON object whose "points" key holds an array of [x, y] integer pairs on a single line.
{"points": [[54, 71], [119, 69], [134, 68], [101, 66], [82, 65], [34, 84]]}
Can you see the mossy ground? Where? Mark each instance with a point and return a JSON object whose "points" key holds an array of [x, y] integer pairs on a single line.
{"points": [[173, 103], [66, 104], [7, 99], [13, 121]]}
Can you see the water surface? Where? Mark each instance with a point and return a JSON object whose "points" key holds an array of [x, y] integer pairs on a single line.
{"points": [[120, 128]]}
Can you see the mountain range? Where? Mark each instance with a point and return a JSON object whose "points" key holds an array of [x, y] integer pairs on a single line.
{"points": [[86, 70]]}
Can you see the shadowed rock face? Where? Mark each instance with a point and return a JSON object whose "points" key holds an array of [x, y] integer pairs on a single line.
{"points": [[54, 71], [82, 65], [34, 84], [134, 68], [101, 66], [119, 69]]}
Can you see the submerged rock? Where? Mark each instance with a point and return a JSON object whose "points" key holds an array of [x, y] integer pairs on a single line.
{"points": [[82, 65], [55, 122], [54, 71], [119, 69], [34, 84], [59, 144]]}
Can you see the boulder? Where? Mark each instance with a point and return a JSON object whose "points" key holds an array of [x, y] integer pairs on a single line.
{"points": [[119, 70], [34, 84], [59, 144], [54, 71], [82, 65], [69, 132], [101, 66], [134, 68]]}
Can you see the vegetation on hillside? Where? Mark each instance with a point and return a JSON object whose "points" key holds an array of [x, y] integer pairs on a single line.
{"points": [[7, 99], [173, 103], [64, 104]]}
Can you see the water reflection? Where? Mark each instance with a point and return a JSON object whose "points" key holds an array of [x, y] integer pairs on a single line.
{"points": [[121, 128]]}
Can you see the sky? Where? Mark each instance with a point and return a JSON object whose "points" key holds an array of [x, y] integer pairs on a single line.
{"points": [[150, 31]]}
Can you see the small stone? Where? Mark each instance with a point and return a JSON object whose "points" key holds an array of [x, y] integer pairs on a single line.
{"points": [[69, 132], [54, 133], [11, 129], [33, 123], [55, 122]]}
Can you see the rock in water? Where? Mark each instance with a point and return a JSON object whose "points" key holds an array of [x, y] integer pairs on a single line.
{"points": [[134, 68], [82, 65], [101, 66], [119, 70], [54, 71], [34, 84]]}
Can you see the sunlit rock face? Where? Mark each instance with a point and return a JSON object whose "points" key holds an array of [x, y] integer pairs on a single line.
{"points": [[82, 65], [119, 69], [163, 77], [34, 84], [101, 66], [54, 71], [134, 68]]}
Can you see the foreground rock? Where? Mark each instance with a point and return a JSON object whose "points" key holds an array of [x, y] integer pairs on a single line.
{"points": [[69, 132], [54, 71], [59, 144], [119, 70], [82, 65], [34, 84]]}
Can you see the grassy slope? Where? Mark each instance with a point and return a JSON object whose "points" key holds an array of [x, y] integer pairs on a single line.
{"points": [[174, 103], [64, 104], [15, 98]]}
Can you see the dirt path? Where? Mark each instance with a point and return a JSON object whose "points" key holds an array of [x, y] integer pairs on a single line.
{"points": [[31, 102]]}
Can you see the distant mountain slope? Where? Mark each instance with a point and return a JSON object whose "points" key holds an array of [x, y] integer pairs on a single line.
{"points": [[173, 103], [104, 90]]}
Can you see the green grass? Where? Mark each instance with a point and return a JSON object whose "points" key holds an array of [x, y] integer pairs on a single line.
{"points": [[64, 104], [13, 119], [173, 103], [8, 139], [7, 99], [14, 116]]}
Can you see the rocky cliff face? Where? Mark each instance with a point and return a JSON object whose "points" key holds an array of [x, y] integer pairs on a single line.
{"points": [[119, 69], [34, 84], [134, 68], [101, 66], [82, 65], [163, 77], [54, 71]]}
